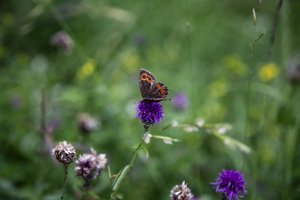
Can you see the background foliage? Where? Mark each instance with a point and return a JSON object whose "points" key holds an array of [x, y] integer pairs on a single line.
{"points": [[200, 47]]}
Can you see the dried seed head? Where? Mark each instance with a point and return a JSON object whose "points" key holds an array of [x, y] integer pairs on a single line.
{"points": [[87, 124], [64, 152], [181, 192], [254, 16]]}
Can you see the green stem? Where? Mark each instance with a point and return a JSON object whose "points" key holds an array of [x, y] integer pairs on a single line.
{"points": [[248, 96], [132, 158], [65, 181]]}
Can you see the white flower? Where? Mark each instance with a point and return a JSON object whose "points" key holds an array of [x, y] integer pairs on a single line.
{"points": [[167, 141], [147, 137], [200, 122], [191, 129], [221, 129]]}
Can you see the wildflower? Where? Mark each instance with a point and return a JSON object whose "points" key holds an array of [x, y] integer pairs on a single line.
{"points": [[147, 137], [230, 183], [268, 72], [175, 124], [293, 72], [223, 128], [87, 124], [16, 102], [200, 122], [139, 40], [235, 64], [150, 113], [181, 192], [181, 101], [167, 141], [191, 129], [64, 152], [87, 69], [62, 40], [90, 166]]}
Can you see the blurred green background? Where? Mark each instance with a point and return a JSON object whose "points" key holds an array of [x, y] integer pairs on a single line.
{"points": [[199, 47]]}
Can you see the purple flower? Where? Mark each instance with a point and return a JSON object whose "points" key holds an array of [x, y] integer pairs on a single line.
{"points": [[139, 40], [62, 40], [181, 101], [90, 166], [16, 102], [150, 113], [230, 183]]}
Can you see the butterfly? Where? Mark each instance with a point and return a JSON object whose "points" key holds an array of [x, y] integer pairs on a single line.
{"points": [[151, 91]]}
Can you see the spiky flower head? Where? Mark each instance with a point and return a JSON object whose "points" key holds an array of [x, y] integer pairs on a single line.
{"points": [[64, 152], [181, 101], [90, 166], [181, 192], [150, 113], [230, 183]]}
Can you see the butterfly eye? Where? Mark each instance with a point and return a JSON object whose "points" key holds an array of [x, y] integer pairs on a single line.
{"points": [[149, 79], [144, 76]]}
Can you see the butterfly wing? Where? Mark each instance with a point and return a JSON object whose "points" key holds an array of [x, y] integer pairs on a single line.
{"points": [[158, 93], [146, 81]]}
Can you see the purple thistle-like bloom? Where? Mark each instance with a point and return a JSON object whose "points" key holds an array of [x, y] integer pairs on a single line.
{"points": [[230, 183], [181, 101], [90, 166], [150, 113]]}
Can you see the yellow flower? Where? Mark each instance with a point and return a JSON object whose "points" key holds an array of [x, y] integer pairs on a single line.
{"points": [[87, 69], [234, 63], [268, 72]]}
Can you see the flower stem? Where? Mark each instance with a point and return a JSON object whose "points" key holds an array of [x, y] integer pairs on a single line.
{"points": [[131, 160], [65, 181]]}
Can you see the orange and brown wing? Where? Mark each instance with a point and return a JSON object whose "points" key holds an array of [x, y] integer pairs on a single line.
{"points": [[146, 81], [158, 91]]}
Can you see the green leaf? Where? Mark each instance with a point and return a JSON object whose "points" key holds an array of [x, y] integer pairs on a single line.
{"points": [[165, 138], [119, 196], [146, 151], [119, 179], [232, 142]]}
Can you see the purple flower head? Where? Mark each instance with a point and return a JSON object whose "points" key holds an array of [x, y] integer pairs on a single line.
{"points": [[181, 101], [62, 40], [150, 113], [139, 40], [230, 183], [90, 166], [16, 102]]}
